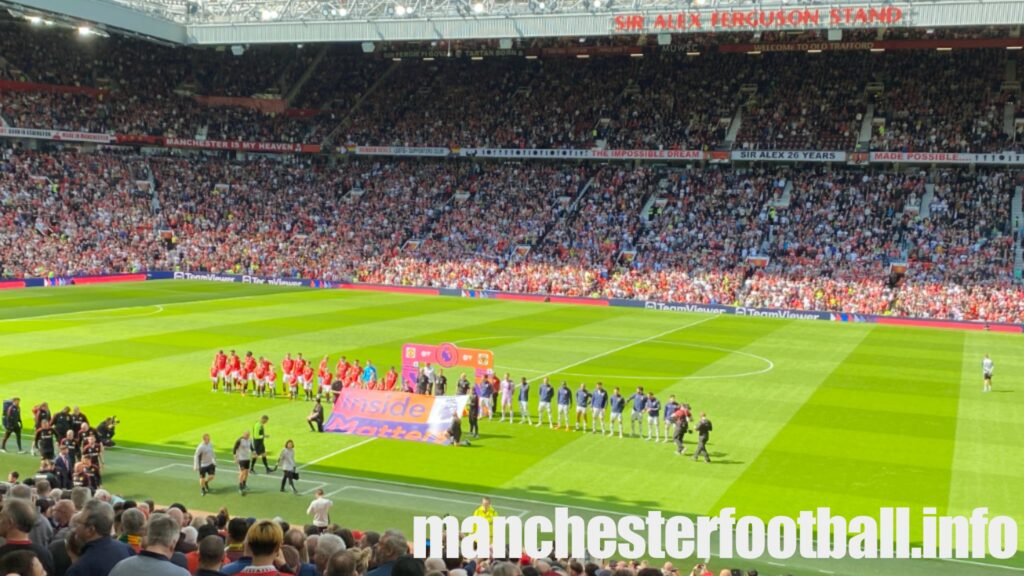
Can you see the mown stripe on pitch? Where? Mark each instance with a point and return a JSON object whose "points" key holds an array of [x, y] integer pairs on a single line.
{"points": [[855, 457]]}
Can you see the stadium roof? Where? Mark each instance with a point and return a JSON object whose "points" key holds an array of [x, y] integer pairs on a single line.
{"points": [[220, 22]]}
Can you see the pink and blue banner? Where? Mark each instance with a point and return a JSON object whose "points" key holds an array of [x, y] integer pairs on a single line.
{"points": [[443, 356], [394, 415]]}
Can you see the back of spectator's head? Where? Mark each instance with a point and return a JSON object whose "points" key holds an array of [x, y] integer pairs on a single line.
{"points": [[369, 539], [237, 530], [409, 566], [102, 495], [264, 538], [177, 515], [326, 546], [43, 487], [291, 558], [649, 572], [21, 492], [133, 522], [297, 539], [79, 496], [211, 552], [346, 535], [162, 530], [392, 545], [341, 564], [21, 563], [208, 530], [19, 515]]}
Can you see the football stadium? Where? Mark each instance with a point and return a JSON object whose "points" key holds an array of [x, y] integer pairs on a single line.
{"points": [[280, 279]]}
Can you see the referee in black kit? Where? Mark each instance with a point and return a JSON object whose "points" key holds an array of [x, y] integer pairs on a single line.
{"points": [[259, 445]]}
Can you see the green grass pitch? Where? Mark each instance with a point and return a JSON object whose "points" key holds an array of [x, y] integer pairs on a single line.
{"points": [[806, 414]]}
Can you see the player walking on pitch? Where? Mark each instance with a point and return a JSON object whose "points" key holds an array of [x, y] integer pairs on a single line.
{"points": [[986, 372], [243, 457], [205, 462]]}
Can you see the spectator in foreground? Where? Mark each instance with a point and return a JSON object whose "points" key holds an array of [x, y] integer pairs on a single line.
{"points": [[16, 520], [211, 555], [21, 563], [100, 552], [391, 547], [264, 540], [162, 534]]}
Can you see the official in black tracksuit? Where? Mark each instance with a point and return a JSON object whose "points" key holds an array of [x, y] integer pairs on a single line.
{"points": [[703, 433], [12, 423]]}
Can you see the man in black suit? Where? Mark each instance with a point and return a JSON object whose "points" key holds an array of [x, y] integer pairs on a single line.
{"points": [[703, 433], [63, 467]]}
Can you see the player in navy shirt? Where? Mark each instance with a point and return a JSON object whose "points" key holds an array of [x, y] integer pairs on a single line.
{"points": [[653, 412], [524, 403], [618, 404], [670, 408], [564, 401], [597, 405], [639, 401], [487, 397], [546, 392], [582, 400]]}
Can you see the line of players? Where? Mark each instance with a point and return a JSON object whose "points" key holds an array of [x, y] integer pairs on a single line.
{"points": [[236, 373], [233, 373], [590, 408]]}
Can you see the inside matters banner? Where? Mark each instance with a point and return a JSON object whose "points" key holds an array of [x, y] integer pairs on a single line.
{"points": [[395, 415]]}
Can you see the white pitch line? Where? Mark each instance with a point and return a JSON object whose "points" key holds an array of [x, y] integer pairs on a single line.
{"points": [[157, 309], [624, 346], [333, 454], [162, 468], [425, 497]]}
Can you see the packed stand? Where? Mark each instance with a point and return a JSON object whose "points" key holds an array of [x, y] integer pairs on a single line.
{"points": [[941, 102]]}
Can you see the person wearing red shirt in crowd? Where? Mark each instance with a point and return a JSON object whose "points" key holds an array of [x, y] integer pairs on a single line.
{"points": [[234, 370], [390, 379], [219, 369]]}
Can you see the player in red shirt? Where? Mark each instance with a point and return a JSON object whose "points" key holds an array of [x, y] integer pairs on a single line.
{"points": [[390, 379], [219, 369], [271, 379], [248, 367], [341, 369], [325, 385], [287, 366], [320, 373], [259, 374], [352, 374], [307, 383], [234, 370], [268, 367]]}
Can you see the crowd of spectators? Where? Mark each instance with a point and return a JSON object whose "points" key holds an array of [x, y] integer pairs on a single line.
{"points": [[48, 531], [804, 238], [929, 101], [935, 101]]}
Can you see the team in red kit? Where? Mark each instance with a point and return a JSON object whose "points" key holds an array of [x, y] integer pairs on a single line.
{"points": [[231, 373]]}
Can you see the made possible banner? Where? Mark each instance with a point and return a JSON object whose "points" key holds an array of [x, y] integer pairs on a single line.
{"points": [[995, 158], [394, 415]]}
